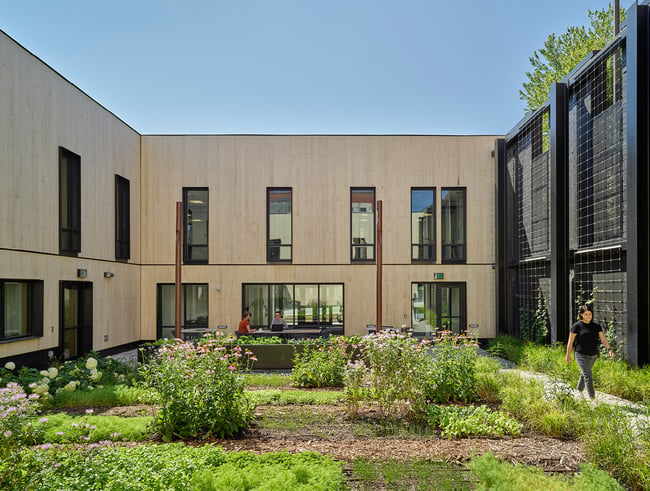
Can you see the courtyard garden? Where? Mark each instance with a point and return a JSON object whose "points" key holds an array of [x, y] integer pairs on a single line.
{"points": [[386, 411]]}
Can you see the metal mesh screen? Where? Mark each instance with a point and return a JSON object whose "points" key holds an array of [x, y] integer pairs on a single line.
{"points": [[597, 153], [528, 174], [597, 191], [601, 276], [528, 224]]}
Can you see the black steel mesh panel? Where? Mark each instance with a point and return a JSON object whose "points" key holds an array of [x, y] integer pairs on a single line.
{"points": [[601, 277], [597, 149], [528, 221], [529, 179], [531, 284]]}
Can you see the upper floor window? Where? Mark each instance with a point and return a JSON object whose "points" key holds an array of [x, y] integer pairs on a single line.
{"points": [[69, 202], [195, 226], [362, 222], [278, 224], [423, 224], [122, 218], [21, 309], [453, 225]]}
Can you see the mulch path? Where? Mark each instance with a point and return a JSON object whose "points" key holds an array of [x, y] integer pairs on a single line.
{"points": [[333, 433]]}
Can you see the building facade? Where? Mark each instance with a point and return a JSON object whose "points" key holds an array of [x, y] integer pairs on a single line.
{"points": [[88, 226]]}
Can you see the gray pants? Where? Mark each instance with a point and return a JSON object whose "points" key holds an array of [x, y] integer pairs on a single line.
{"points": [[586, 363]]}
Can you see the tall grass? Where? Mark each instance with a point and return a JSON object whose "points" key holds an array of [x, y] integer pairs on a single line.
{"points": [[493, 473], [613, 377]]}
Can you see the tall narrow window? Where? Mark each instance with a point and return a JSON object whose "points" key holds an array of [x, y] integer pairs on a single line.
{"points": [[122, 218], [21, 309], [362, 222], [278, 224], [423, 224], [195, 227], [453, 225], [69, 202]]}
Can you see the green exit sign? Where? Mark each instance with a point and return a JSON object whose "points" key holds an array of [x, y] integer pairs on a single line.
{"points": [[438, 276]]}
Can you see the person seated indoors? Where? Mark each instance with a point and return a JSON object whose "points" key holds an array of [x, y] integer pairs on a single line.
{"points": [[278, 323], [244, 324]]}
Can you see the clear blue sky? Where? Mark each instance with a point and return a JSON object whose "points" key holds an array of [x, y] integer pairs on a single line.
{"points": [[297, 66]]}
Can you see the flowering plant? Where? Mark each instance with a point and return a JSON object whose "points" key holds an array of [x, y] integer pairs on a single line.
{"points": [[398, 369], [321, 364], [200, 388], [453, 373], [16, 407]]}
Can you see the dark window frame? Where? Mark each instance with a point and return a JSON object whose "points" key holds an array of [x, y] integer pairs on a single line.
{"points": [[433, 244], [439, 286], [273, 254], [255, 323], [461, 259], [34, 308], [358, 246], [187, 253], [69, 202], [122, 218], [160, 326]]}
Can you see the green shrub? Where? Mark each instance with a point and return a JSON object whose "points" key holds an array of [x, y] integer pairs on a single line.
{"points": [[453, 372], [400, 369], [16, 409], [321, 365], [464, 421], [201, 392]]}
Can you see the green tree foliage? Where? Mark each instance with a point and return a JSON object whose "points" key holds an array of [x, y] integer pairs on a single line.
{"points": [[562, 53]]}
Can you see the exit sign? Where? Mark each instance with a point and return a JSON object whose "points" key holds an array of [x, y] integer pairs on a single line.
{"points": [[438, 276]]}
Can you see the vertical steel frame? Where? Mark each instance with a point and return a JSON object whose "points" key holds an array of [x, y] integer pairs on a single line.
{"points": [[638, 158], [559, 154]]}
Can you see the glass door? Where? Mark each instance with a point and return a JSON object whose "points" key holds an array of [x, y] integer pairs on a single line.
{"points": [[76, 312]]}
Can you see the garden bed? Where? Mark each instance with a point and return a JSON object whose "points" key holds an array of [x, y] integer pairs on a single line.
{"points": [[331, 432]]}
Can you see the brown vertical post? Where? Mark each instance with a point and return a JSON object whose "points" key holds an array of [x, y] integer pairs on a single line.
{"points": [[379, 264], [179, 244]]}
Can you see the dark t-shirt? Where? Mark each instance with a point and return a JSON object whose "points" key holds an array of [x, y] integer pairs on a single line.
{"points": [[586, 342]]}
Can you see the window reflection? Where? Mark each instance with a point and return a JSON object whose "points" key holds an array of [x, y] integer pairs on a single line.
{"points": [[279, 224], [453, 225], [194, 308], [195, 234], [423, 225], [437, 306], [302, 305], [363, 224]]}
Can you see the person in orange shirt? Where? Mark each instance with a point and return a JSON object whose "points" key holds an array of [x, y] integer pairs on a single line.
{"points": [[244, 324]]}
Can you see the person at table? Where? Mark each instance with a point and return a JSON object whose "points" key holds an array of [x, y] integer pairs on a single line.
{"points": [[278, 323], [244, 324]]}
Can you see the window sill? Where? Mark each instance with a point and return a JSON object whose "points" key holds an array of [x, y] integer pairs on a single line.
{"points": [[20, 338]]}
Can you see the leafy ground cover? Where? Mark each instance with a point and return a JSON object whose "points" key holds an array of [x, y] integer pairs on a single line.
{"points": [[383, 422]]}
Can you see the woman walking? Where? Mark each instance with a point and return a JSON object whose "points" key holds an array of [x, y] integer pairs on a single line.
{"points": [[585, 335]]}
